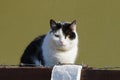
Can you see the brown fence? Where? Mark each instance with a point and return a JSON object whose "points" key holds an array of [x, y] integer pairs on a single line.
{"points": [[29, 73]]}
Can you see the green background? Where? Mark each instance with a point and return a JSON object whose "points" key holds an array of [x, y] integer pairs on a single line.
{"points": [[98, 26]]}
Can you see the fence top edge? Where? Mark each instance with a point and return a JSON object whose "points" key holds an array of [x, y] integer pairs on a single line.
{"points": [[50, 68]]}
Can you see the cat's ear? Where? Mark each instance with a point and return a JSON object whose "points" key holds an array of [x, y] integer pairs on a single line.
{"points": [[73, 25], [53, 24]]}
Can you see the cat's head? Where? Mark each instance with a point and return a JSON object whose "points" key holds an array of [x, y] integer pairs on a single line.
{"points": [[63, 34]]}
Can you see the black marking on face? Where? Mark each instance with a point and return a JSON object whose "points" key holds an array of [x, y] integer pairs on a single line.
{"points": [[68, 32], [66, 28]]}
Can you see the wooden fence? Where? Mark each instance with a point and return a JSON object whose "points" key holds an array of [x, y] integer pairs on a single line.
{"points": [[31, 73]]}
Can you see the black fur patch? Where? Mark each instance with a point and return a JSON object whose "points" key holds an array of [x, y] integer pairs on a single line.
{"points": [[32, 55]]}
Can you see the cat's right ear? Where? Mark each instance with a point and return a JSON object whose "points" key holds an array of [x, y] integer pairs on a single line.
{"points": [[53, 24], [73, 25]]}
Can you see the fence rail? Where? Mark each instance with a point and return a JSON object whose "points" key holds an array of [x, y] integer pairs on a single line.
{"points": [[31, 73]]}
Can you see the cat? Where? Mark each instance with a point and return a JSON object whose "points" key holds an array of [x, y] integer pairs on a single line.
{"points": [[58, 46]]}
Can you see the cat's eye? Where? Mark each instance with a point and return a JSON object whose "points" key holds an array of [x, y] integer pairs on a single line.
{"points": [[57, 35]]}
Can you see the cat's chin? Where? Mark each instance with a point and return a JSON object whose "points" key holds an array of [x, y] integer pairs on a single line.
{"points": [[62, 48]]}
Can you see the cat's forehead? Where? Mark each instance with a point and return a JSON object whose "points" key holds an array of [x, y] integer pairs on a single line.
{"points": [[63, 24]]}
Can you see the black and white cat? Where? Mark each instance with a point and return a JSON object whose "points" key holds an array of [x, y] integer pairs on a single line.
{"points": [[59, 45]]}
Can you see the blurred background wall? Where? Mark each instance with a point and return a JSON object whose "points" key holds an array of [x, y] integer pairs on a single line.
{"points": [[98, 26]]}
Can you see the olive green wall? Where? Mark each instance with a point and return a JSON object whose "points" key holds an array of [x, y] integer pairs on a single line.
{"points": [[98, 26]]}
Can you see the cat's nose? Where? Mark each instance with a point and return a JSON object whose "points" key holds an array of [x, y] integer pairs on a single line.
{"points": [[62, 42]]}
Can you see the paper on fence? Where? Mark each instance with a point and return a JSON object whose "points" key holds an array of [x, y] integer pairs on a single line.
{"points": [[66, 72]]}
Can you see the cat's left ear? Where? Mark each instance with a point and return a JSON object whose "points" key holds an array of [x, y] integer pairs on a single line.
{"points": [[73, 25], [53, 24]]}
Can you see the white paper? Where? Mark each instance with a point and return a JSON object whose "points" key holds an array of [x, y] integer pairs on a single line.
{"points": [[66, 72]]}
